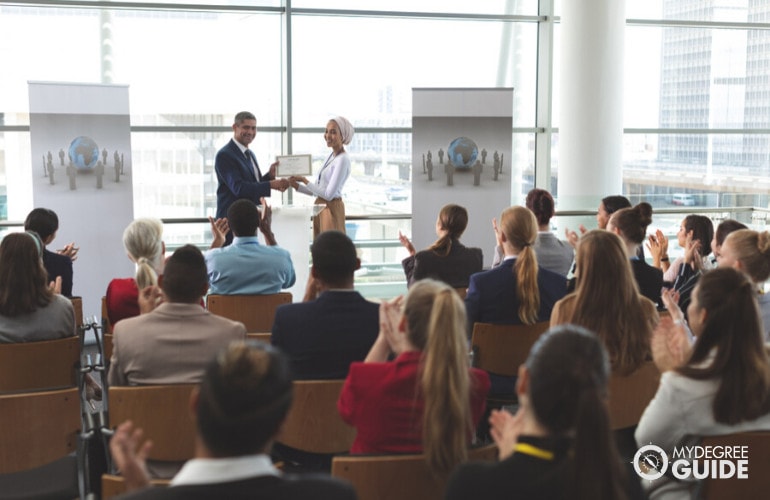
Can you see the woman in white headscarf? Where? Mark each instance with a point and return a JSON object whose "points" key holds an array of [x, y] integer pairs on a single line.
{"points": [[330, 180]]}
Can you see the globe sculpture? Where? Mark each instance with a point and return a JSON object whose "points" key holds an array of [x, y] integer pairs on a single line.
{"points": [[84, 152], [463, 152]]}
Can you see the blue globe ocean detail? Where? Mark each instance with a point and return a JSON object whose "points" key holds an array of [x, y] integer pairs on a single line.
{"points": [[84, 152], [463, 152]]}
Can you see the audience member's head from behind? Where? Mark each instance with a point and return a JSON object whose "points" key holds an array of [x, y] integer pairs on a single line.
{"points": [[450, 225], [542, 205], [563, 388], [143, 240], [335, 260], [434, 319], [747, 251], [243, 218], [724, 316], [23, 279], [631, 223], [724, 228], [516, 235], [607, 300], [242, 401], [608, 206], [44, 222], [185, 278]]}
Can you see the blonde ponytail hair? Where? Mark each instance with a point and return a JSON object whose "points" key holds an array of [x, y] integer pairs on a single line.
{"points": [[752, 250], [436, 321], [143, 240], [519, 225]]}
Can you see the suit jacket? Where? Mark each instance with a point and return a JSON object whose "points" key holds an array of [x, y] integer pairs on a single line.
{"points": [[492, 295], [649, 279], [59, 265], [382, 401], [171, 345], [553, 254], [455, 269], [237, 179], [257, 488], [324, 336]]}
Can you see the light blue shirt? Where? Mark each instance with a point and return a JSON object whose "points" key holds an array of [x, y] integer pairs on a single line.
{"points": [[248, 268]]}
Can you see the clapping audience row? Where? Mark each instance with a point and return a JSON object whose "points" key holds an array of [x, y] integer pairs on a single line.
{"points": [[414, 391]]}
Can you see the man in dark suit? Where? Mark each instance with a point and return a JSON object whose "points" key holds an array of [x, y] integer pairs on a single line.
{"points": [[237, 169], [45, 223], [242, 401], [323, 336]]}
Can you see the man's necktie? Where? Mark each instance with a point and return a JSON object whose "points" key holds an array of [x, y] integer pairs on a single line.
{"points": [[253, 162]]}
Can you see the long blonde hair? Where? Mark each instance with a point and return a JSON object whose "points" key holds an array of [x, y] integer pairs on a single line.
{"points": [[519, 225], [143, 239], [436, 325], [607, 300], [752, 250]]}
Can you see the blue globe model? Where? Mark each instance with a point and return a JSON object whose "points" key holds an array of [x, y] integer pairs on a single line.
{"points": [[84, 152], [463, 152]]}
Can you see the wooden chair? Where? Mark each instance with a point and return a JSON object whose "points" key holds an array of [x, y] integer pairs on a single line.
{"points": [[163, 412], [501, 349], [262, 337], [314, 424], [46, 364], [629, 395], [256, 312], [405, 477], [108, 340], [39, 431], [77, 306], [757, 484], [106, 325]]}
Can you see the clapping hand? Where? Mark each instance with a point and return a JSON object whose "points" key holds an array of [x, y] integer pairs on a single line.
{"points": [[55, 286], [670, 345], [219, 229], [130, 458], [505, 430], [406, 243], [69, 250]]}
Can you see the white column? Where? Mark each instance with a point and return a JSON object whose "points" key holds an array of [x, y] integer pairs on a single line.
{"points": [[591, 116]]}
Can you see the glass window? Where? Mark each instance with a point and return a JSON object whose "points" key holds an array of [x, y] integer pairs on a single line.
{"points": [[510, 7]]}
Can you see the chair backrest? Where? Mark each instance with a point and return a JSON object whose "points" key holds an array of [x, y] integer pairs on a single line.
{"points": [[262, 337], [405, 477], [314, 424], [38, 428], [757, 484], [629, 395], [46, 364], [106, 325], [163, 412], [256, 312], [108, 341], [77, 306], [501, 349], [113, 485]]}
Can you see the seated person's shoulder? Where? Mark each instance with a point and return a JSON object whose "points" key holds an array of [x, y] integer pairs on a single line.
{"points": [[317, 486]]}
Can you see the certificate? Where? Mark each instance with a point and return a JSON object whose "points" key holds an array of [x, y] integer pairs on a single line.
{"points": [[294, 165]]}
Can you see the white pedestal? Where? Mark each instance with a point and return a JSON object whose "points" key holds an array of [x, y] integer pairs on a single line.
{"points": [[292, 226]]}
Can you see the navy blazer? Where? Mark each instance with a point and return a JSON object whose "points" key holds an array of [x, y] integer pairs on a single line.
{"points": [[59, 265], [492, 295], [237, 179], [455, 269], [324, 336]]}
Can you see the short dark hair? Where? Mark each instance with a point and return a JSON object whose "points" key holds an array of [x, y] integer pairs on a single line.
{"points": [[614, 203], [244, 397], [185, 276], [243, 218], [43, 221], [542, 205], [334, 257], [243, 115], [702, 230]]}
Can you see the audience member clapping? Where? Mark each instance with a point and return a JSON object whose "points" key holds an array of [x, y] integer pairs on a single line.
{"points": [[607, 301], [426, 399], [559, 444], [719, 385]]}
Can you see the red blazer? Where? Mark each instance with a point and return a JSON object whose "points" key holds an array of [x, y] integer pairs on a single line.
{"points": [[122, 299], [381, 400]]}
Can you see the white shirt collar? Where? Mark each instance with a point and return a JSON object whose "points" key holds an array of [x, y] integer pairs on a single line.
{"points": [[224, 470], [240, 146]]}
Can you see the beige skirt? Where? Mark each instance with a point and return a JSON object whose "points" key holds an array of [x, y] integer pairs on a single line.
{"points": [[330, 218]]}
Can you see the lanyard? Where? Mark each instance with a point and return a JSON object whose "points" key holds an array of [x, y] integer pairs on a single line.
{"points": [[534, 451]]}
